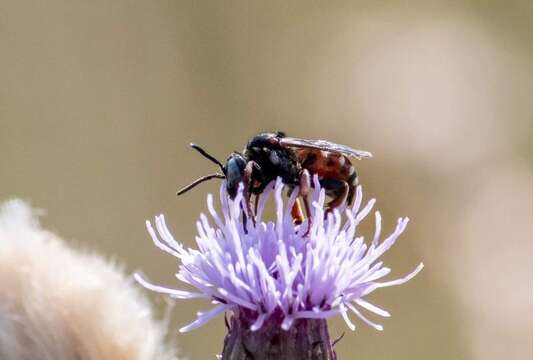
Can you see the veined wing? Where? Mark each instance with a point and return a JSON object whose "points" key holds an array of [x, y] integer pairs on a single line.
{"points": [[324, 145]]}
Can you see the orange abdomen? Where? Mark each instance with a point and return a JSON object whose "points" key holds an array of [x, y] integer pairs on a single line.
{"points": [[327, 165]]}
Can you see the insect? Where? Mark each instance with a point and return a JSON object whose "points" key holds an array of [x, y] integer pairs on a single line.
{"points": [[271, 155]]}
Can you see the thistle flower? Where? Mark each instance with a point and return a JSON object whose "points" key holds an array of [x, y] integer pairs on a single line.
{"points": [[278, 272]]}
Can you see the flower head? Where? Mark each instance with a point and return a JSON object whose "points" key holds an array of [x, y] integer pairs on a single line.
{"points": [[279, 269]]}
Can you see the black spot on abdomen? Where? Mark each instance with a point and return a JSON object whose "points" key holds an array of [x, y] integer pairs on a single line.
{"points": [[309, 160]]}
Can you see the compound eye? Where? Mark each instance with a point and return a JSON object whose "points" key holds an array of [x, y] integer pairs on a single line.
{"points": [[235, 169], [234, 175]]}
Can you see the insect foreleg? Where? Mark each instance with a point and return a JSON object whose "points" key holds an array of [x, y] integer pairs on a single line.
{"points": [[251, 172], [257, 175]]}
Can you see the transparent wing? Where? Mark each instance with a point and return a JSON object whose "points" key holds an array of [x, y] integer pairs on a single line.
{"points": [[324, 145]]}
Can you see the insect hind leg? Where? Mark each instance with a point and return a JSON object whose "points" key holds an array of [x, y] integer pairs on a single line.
{"points": [[351, 194], [337, 189]]}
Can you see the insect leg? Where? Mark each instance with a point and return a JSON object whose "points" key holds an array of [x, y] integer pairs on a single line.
{"points": [[308, 214], [305, 185], [296, 212], [244, 219], [305, 182], [351, 194], [247, 191], [257, 176], [256, 205], [338, 190], [252, 172]]}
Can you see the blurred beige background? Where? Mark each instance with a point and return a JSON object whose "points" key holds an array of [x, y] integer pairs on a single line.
{"points": [[99, 99]]}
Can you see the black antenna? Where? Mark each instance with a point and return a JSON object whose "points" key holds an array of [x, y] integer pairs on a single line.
{"points": [[199, 181], [208, 156]]}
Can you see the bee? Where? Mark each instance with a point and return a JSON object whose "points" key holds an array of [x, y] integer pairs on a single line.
{"points": [[271, 155]]}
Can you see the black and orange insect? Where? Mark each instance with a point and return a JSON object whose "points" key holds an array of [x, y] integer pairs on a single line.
{"points": [[271, 155]]}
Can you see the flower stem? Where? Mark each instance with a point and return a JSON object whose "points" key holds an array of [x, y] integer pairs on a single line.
{"points": [[307, 339]]}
